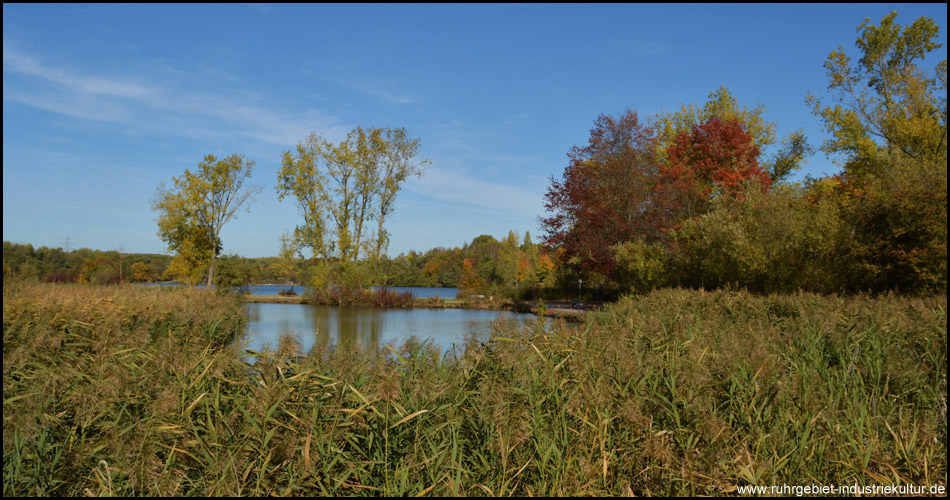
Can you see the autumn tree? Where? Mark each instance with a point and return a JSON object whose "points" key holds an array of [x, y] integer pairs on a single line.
{"points": [[143, 271], [341, 188], [716, 158], [788, 155], [193, 212], [886, 103], [469, 279], [182, 235], [888, 122], [605, 194]]}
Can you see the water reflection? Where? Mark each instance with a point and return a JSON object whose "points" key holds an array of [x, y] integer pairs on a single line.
{"points": [[371, 327]]}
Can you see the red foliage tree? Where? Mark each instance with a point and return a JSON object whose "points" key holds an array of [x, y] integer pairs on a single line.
{"points": [[716, 158], [604, 197]]}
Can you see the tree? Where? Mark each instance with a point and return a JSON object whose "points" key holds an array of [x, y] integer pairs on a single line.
{"points": [[775, 241], [605, 194], [886, 103], [192, 214], [722, 105], [717, 158], [143, 271], [301, 176], [889, 122], [177, 227], [792, 151], [897, 220], [341, 188], [506, 263], [285, 264], [398, 164], [235, 273]]}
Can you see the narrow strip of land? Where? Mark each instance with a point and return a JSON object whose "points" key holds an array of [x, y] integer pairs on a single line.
{"points": [[553, 309]]}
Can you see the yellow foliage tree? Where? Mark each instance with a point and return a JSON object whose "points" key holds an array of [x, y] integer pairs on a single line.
{"points": [[192, 214], [886, 106]]}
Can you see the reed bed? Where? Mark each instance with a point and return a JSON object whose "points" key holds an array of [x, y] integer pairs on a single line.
{"points": [[361, 297], [122, 391]]}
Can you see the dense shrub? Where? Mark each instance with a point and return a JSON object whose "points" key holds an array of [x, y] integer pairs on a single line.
{"points": [[356, 296], [641, 266], [764, 241], [897, 221]]}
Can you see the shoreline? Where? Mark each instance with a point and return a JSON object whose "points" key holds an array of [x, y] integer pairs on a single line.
{"points": [[551, 310]]}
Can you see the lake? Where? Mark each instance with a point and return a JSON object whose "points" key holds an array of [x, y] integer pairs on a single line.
{"points": [[371, 327]]}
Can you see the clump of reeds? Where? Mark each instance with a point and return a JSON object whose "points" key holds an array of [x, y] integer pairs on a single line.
{"points": [[674, 392], [360, 297], [90, 372]]}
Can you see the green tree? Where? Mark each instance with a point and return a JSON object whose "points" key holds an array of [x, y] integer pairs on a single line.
{"points": [[886, 104], [776, 241], [641, 266], [285, 263], [506, 262], [182, 235], [302, 177], [192, 214], [340, 188], [234, 273]]}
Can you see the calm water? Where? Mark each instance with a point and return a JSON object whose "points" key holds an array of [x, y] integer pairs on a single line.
{"points": [[366, 325], [369, 326]]}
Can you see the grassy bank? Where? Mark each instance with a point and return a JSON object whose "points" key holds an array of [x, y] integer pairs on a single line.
{"points": [[114, 391]]}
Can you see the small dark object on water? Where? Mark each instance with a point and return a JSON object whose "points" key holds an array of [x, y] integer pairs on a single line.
{"points": [[287, 292]]}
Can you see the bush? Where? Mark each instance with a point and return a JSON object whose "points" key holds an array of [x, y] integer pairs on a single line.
{"points": [[764, 241], [355, 296], [640, 266], [897, 221]]}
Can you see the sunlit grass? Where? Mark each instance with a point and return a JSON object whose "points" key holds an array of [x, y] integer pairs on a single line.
{"points": [[128, 390]]}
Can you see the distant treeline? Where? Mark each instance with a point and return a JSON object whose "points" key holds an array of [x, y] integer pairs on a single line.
{"points": [[24, 262], [485, 264]]}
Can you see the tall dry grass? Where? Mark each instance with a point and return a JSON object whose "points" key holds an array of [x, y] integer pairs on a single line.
{"points": [[112, 391]]}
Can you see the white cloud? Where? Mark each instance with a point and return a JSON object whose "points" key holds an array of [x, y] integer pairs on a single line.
{"points": [[83, 108], [491, 197], [155, 108], [83, 84]]}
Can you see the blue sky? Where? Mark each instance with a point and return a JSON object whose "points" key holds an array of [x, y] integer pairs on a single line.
{"points": [[101, 103]]}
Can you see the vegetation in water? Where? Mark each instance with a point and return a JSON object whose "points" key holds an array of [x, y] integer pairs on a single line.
{"points": [[133, 391]]}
